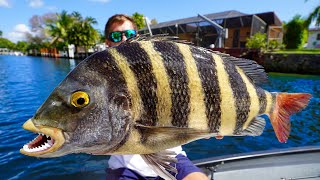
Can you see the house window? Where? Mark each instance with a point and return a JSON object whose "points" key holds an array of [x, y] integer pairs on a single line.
{"points": [[318, 36]]}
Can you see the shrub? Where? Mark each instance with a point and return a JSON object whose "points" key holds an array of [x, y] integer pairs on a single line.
{"points": [[257, 41]]}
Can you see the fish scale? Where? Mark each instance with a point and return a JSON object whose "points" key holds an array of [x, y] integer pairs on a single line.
{"points": [[176, 72], [210, 87], [141, 67]]}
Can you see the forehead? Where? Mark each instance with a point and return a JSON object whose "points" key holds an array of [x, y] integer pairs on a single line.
{"points": [[121, 26]]}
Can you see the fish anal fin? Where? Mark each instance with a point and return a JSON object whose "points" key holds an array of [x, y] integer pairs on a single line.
{"points": [[286, 105], [160, 163], [255, 127]]}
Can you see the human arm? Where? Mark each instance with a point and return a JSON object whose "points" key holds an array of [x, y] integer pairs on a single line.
{"points": [[187, 170]]}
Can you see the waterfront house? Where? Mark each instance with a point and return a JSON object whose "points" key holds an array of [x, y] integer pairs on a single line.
{"points": [[313, 38], [229, 29]]}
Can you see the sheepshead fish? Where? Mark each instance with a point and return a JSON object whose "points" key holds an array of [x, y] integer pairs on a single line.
{"points": [[143, 97]]}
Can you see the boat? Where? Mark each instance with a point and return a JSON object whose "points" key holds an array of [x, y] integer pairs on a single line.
{"points": [[301, 163]]}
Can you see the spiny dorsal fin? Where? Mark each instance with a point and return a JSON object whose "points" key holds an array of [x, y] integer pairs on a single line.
{"points": [[253, 70]]}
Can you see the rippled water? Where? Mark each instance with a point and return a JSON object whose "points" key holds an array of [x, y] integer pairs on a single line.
{"points": [[25, 82]]}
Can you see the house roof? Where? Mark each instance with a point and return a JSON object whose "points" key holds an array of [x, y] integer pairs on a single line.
{"points": [[194, 19], [269, 17], [314, 29]]}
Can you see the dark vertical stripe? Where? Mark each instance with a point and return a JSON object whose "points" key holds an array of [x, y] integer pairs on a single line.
{"points": [[262, 100], [104, 64], [178, 79], [141, 66], [240, 94], [209, 79]]}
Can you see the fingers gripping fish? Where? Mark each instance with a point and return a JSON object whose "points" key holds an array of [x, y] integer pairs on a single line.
{"points": [[143, 97]]}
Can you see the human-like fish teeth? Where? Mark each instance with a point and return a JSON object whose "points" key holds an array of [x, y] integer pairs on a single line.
{"points": [[40, 143]]}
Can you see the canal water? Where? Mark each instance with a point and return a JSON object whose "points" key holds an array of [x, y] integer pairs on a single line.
{"points": [[25, 82]]}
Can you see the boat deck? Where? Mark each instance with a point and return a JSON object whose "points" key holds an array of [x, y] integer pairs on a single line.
{"points": [[285, 164]]}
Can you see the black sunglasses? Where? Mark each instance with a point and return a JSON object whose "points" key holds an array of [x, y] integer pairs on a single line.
{"points": [[116, 36]]}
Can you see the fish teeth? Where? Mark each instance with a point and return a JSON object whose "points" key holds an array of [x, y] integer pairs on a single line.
{"points": [[50, 142], [36, 149], [47, 145], [26, 148]]}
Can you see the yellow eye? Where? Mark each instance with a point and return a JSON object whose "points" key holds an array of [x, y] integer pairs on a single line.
{"points": [[80, 99]]}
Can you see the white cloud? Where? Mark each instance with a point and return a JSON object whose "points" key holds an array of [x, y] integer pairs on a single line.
{"points": [[102, 1], [18, 33], [52, 8], [35, 3], [21, 28], [4, 3]]}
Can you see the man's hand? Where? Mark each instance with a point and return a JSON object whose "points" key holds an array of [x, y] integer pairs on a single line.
{"points": [[196, 176]]}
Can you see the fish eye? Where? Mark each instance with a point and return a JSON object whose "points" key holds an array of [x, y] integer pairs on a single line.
{"points": [[80, 99]]}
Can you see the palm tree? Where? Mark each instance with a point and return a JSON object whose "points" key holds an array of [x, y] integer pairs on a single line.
{"points": [[89, 34], [59, 29], [314, 16], [83, 33], [73, 29]]}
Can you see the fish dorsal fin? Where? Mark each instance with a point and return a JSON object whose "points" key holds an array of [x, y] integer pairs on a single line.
{"points": [[251, 68]]}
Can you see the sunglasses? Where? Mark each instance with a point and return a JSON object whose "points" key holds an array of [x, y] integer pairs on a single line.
{"points": [[116, 36]]}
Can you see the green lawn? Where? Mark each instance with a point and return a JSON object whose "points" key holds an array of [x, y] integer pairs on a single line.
{"points": [[297, 51]]}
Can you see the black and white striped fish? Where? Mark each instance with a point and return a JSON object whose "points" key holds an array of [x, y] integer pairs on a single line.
{"points": [[143, 97]]}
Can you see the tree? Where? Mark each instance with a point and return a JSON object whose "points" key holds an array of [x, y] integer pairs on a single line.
{"points": [[59, 28], [295, 33], [38, 25], [0, 33], [138, 19], [82, 33], [5, 43], [154, 21], [257, 41], [313, 16], [22, 46]]}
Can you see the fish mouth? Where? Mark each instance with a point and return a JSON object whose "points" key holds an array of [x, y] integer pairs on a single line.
{"points": [[49, 140]]}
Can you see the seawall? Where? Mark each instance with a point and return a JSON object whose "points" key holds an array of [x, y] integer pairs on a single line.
{"points": [[291, 63]]}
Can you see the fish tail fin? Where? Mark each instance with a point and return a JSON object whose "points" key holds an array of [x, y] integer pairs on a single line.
{"points": [[286, 104]]}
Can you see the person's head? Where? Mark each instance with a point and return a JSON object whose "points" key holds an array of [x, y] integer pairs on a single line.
{"points": [[116, 29]]}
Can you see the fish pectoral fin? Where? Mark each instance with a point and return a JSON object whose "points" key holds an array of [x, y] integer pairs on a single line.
{"points": [[165, 134], [255, 127], [160, 163]]}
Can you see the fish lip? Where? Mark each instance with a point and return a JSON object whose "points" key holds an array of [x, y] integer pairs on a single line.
{"points": [[54, 133]]}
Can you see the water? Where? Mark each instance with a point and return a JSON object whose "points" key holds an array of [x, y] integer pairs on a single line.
{"points": [[25, 82]]}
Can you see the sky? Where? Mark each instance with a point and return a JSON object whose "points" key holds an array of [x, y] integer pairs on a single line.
{"points": [[15, 14]]}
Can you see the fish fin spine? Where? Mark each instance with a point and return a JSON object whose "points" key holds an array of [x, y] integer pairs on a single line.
{"points": [[286, 104]]}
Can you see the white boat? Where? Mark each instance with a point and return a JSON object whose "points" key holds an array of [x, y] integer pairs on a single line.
{"points": [[301, 163]]}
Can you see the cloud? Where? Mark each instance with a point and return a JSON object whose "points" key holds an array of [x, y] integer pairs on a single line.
{"points": [[35, 3], [52, 8], [18, 33], [101, 1], [4, 3]]}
